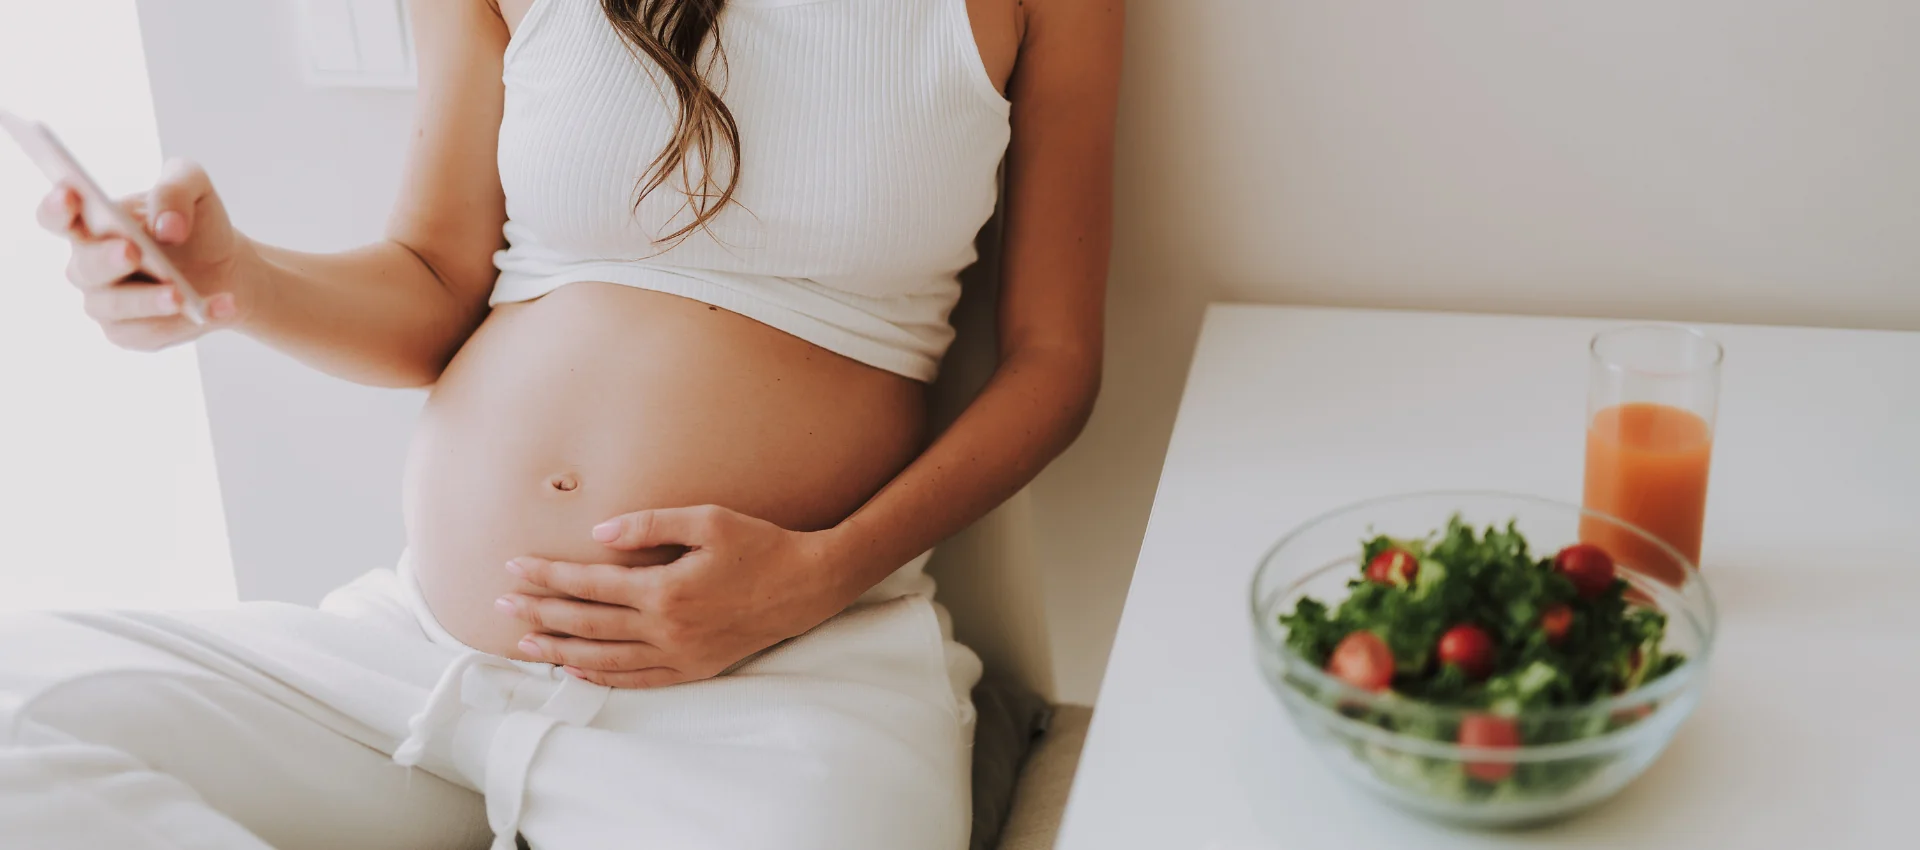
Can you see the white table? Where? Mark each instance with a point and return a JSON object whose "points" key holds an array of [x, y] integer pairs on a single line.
{"points": [[1809, 731]]}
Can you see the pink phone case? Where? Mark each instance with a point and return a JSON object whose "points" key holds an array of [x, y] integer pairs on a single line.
{"points": [[100, 211]]}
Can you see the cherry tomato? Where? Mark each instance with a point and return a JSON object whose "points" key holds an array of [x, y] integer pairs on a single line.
{"points": [[1394, 566], [1470, 648], [1555, 621], [1589, 567], [1487, 731], [1362, 660]]}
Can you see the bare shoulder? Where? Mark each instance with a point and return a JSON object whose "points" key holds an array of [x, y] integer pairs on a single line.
{"points": [[455, 18], [1100, 22], [1070, 47]]}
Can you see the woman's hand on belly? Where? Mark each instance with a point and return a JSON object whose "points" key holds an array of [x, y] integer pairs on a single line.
{"points": [[742, 585]]}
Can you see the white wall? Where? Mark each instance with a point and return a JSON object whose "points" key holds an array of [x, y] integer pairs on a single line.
{"points": [[1727, 160], [309, 466], [107, 490], [1714, 160]]}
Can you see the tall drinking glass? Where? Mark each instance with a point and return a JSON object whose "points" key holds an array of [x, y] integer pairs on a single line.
{"points": [[1653, 392]]}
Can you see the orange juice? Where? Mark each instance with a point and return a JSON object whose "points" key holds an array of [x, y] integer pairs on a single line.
{"points": [[1647, 464]]}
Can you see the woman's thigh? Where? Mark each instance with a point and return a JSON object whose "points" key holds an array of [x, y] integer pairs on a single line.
{"points": [[846, 738], [145, 724]]}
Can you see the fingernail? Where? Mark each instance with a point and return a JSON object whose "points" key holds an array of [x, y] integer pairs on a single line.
{"points": [[221, 307], [529, 647], [514, 567], [170, 226], [607, 532], [505, 606]]}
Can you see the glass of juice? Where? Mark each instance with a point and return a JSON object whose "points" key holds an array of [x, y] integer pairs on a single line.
{"points": [[1652, 395]]}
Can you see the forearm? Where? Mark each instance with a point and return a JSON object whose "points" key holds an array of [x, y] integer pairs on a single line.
{"points": [[1032, 409], [376, 315], [1058, 204]]}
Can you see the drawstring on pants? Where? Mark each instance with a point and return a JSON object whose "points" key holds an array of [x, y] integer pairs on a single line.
{"points": [[510, 754]]}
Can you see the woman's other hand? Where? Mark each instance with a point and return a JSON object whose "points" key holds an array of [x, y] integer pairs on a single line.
{"points": [[123, 293], [743, 585]]}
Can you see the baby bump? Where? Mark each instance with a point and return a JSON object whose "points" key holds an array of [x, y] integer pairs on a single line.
{"points": [[598, 400]]}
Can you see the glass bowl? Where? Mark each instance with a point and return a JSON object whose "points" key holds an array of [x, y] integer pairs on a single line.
{"points": [[1403, 750]]}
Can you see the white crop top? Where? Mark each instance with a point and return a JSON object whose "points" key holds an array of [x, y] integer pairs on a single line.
{"points": [[870, 140]]}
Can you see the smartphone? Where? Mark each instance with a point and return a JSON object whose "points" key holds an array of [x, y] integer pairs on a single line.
{"points": [[100, 212]]}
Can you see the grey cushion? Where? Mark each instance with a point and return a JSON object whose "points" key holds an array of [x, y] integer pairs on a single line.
{"points": [[1009, 718], [1040, 797]]}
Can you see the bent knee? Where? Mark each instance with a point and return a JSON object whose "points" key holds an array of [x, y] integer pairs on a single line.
{"points": [[115, 708]]}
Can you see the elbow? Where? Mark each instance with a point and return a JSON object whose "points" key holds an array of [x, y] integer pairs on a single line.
{"points": [[416, 365], [393, 374], [1089, 393], [1081, 373], [1082, 366], [413, 377], [420, 361], [422, 368], [1072, 377]]}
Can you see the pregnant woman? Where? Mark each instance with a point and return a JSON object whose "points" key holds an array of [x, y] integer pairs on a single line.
{"points": [[678, 273]]}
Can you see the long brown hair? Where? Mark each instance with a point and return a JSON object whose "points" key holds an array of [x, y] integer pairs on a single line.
{"points": [[671, 33]]}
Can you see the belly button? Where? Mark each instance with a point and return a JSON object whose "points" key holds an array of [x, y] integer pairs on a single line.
{"points": [[565, 482]]}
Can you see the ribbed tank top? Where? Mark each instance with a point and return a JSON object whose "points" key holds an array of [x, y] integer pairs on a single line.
{"points": [[870, 140]]}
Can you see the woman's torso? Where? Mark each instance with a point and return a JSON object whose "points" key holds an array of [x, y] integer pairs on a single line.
{"points": [[599, 399], [870, 132]]}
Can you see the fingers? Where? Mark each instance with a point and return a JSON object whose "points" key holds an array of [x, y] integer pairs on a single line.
{"points": [[102, 262], [135, 206], [609, 583], [171, 203], [59, 211], [150, 334], [63, 213], [689, 527], [132, 301], [603, 656], [652, 677], [573, 618]]}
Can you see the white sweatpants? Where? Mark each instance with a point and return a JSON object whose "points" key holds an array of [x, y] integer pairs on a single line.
{"points": [[273, 725]]}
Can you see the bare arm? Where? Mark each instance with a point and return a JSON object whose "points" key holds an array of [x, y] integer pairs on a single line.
{"points": [[392, 313], [1058, 214]]}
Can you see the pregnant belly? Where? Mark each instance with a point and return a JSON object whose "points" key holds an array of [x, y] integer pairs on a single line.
{"points": [[597, 400]]}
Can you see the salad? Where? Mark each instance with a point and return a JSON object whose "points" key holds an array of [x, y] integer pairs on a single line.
{"points": [[1477, 622]]}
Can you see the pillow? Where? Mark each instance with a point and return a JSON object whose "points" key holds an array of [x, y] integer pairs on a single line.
{"points": [[1040, 800], [1008, 719]]}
